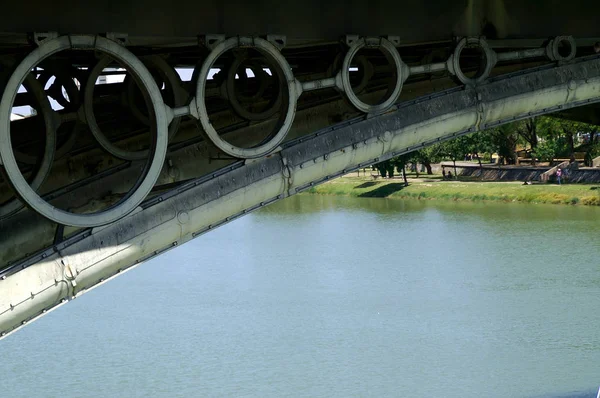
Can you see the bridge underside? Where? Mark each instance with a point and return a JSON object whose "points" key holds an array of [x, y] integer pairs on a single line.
{"points": [[92, 256], [115, 147], [305, 22]]}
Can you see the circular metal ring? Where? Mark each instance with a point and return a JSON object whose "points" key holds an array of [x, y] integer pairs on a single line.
{"points": [[553, 49], [88, 108], [393, 91], [364, 65], [150, 173], [172, 82], [289, 101], [233, 97], [258, 72], [61, 80], [484, 72], [61, 150], [44, 166]]}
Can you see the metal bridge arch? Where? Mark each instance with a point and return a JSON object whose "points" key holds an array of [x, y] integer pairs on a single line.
{"points": [[54, 276]]}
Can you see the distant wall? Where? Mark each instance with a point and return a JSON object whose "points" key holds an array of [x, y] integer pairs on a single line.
{"points": [[522, 173]]}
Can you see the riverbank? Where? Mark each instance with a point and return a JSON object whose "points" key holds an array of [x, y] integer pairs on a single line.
{"points": [[434, 188]]}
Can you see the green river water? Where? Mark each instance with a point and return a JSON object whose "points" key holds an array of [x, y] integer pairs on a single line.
{"points": [[338, 297]]}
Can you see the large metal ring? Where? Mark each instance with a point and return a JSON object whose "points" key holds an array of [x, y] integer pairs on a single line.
{"points": [[172, 82], [290, 97], [364, 65], [62, 79], [393, 91], [152, 169], [553, 50], [43, 167], [484, 72], [88, 108], [233, 96]]}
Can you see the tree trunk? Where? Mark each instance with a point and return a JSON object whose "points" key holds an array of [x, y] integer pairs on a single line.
{"points": [[454, 161], [417, 169], [404, 175], [428, 167], [571, 142], [480, 165]]}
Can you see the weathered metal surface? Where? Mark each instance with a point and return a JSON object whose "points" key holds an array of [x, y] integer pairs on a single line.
{"points": [[69, 269], [154, 21]]}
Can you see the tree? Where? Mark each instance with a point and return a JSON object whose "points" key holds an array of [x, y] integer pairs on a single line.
{"points": [[478, 143], [400, 163], [527, 129], [455, 148], [427, 156], [382, 167], [504, 141]]}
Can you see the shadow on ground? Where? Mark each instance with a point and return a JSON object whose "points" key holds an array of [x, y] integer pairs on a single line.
{"points": [[383, 191], [366, 184]]}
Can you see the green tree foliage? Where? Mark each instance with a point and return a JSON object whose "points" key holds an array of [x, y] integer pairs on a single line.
{"points": [[547, 137], [504, 141], [427, 156]]}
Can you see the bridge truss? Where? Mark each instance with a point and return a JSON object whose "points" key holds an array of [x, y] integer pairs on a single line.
{"points": [[102, 192]]}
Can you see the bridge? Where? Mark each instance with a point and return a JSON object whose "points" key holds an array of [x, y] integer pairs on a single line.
{"points": [[120, 141]]}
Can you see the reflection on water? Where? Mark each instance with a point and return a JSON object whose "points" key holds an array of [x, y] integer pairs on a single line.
{"points": [[321, 296]]}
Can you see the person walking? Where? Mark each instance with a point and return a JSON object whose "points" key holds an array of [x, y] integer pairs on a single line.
{"points": [[558, 175]]}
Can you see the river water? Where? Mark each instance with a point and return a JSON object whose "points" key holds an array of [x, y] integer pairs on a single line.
{"points": [[338, 297]]}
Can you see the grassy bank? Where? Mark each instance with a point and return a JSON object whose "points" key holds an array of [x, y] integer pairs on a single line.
{"points": [[432, 188]]}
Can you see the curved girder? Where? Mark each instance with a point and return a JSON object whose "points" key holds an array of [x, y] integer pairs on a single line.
{"points": [[62, 272]]}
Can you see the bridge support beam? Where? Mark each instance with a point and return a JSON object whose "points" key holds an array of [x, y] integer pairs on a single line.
{"points": [[65, 271]]}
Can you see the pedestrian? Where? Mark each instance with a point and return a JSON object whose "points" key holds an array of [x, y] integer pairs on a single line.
{"points": [[449, 175], [443, 174], [558, 175]]}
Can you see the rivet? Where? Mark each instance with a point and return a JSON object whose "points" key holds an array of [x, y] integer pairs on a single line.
{"points": [[183, 217]]}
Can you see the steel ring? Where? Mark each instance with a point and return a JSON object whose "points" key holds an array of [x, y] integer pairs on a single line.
{"points": [[233, 96], [260, 74], [553, 48], [61, 79], [363, 63], [61, 150], [88, 108], [72, 104], [152, 169], [484, 73], [171, 77], [40, 175], [393, 91], [289, 100]]}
